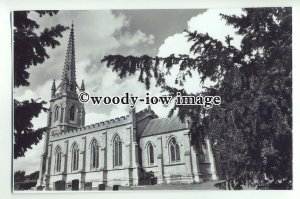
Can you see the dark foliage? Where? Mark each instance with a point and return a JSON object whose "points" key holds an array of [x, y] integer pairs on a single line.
{"points": [[25, 182], [33, 176], [24, 134], [29, 50], [29, 47], [19, 176], [251, 130]]}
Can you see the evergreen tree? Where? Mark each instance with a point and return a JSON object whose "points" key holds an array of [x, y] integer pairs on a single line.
{"points": [[19, 176], [29, 50], [34, 175], [251, 131]]}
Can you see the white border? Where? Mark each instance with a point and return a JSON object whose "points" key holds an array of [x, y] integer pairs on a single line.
{"points": [[6, 92]]}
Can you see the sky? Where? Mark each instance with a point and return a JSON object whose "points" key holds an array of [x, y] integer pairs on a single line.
{"points": [[111, 32]]}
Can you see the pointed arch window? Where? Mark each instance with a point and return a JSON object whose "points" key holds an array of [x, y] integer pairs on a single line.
{"points": [[56, 113], [117, 151], [57, 162], [75, 157], [150, 154], [174, 150], [94, 154], [72, 113]]}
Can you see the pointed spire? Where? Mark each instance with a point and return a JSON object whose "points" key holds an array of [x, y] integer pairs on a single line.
{"points": [[82, 87], [69, 71], [53, 89], [53, 85]]}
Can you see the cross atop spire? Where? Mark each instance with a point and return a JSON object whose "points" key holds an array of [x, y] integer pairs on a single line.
{"points": [[68, 82]]}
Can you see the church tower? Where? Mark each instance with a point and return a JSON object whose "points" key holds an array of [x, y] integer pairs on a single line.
{"points": [[66, 112]]}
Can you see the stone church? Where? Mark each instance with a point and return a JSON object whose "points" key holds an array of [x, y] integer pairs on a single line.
{"points": [[136, 149]]}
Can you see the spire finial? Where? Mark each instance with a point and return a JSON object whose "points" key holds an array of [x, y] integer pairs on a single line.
{"points": [[69, 73], [82, 87], [53, 89], [53, 84]]}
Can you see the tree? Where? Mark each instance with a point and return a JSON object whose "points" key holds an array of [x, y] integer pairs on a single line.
{"points": [[25, 182], [19, 176], [29, 50], [25, 135], [34, 175], [251, 130]]}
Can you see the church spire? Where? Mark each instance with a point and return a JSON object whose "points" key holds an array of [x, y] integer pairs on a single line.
{"points": [[82, 87], [68, 82], [53, 88]]}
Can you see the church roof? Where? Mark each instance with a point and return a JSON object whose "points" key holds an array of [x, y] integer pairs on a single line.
{"points": [[163, 125]]}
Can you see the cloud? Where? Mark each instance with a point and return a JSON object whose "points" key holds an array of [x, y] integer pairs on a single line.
{"points": [[175, 44], [161, 23], [129, 40], [208, 22], [97, 33]]}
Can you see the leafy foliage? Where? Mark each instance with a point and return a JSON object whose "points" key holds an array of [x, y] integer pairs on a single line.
{"points": [[29, 50], [251, 130], [29, 47], [19, 176], [24, 134], [25, 182], [34, 175]]}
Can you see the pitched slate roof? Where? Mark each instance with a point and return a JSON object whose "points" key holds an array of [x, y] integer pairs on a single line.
{"points": [[163, 125]]}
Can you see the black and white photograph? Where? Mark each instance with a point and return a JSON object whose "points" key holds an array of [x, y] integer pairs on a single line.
{"points": [[152, 99]]}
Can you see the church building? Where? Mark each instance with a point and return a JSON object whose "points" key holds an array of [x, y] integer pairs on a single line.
{"points": [[136, 149]]}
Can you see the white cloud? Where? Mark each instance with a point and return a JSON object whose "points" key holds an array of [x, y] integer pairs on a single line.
{"points": [[90, 35], [210, 22], [95, 36], [129, 40], [175, 44]]}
